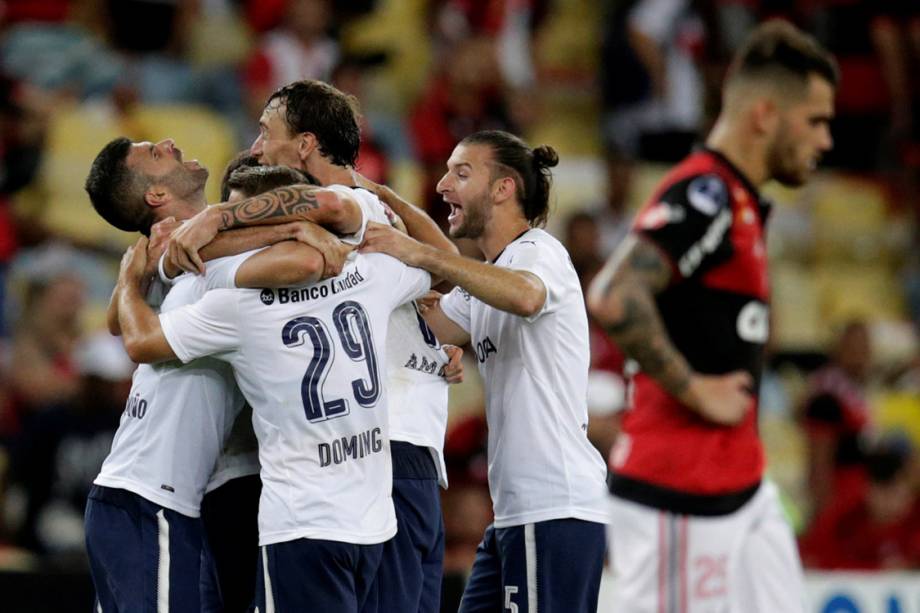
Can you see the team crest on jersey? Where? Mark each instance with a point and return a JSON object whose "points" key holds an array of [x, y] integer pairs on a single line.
{"points": [[267, 296], [707, 194]]}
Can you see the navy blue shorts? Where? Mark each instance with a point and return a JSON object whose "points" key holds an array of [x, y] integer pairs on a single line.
{"points": [[309, 575], [552, 566], [231, 519], [142, 556], [409, 579]]}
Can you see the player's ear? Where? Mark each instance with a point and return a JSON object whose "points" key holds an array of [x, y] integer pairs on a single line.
{"points": [[157, 195], [503, 189], [306, 144], [765, 116]]}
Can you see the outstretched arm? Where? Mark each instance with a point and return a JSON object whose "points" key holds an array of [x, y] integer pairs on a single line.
{"points": [[622, 298], [419, 225], [331, 209], [515, 291], [300, 252]]}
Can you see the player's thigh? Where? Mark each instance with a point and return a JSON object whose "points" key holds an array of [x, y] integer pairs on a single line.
{"points": [[635, 554], [410, 571], [483, 592], [665, 561], [143, 557], [553, 566], [316, 575], [769, 571]]}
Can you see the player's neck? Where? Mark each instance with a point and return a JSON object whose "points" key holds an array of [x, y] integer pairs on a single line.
{"points": [[741, 149], [498, 234], [182, 209], [328, 173]]}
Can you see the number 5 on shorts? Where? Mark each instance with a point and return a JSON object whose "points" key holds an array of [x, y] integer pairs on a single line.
{"points": [[510, 590]]}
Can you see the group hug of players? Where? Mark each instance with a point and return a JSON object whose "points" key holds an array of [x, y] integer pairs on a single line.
{"points": [[282, 449]]}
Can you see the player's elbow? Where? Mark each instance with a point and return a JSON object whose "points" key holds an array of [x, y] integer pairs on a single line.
{"points": [[528, 303], [306, 266], [339, 212], [138, 349]]}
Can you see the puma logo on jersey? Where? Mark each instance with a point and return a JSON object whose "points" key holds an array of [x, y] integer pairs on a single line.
{"points": [[354, 447]]}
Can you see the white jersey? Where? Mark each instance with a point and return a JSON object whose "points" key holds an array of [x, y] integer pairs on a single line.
{"points": [[239, 456], [535, 373], [417, 390], [177, 417], [307, 360]]}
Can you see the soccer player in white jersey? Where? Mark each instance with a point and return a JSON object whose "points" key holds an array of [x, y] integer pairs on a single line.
{"points": [[523, 312], [144, 538], [307, 360], [311, 126]]}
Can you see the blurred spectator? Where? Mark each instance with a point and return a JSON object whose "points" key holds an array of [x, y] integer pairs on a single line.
{"points": [[613, 217], [837, 416], [299, 48], [873, 45], [42, 373], [509, 25], [61, 449], [877, 530], [383, 136], [23, 122], [660, 113], [465, 96], [582, 241], [152, 38]]}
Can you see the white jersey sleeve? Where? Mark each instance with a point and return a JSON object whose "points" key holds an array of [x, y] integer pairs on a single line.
{"points": [[221, 273], [370, 207], [407, 284], [548, 264], [206, 327], [456, 305]]}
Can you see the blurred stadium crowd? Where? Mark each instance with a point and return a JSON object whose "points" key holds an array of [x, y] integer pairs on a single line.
{"points": [[621, 88]]}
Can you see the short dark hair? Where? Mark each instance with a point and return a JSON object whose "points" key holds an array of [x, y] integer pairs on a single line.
{"points": [[254, 180], [241, 160], [117, 193], [329, 114], [530, 169], [777, 49]]}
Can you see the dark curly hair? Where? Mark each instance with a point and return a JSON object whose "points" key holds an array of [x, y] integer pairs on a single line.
{"points": [[331, 115], [116, 192]]}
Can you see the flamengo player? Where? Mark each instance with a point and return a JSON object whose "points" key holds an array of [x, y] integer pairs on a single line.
{"points": [[694, 528], [307, 360]]}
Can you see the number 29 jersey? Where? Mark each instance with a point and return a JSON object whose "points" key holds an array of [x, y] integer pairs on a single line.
{"points": [[311, 361]]}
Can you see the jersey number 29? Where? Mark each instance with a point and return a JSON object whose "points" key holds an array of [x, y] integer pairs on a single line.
{"points": [[354, 333]]}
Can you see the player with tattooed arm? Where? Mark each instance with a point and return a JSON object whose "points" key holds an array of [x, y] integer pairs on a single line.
{"points": [[694, 525]]}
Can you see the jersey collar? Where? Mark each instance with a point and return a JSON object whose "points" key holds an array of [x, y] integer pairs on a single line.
{"points": [[509, 242]]}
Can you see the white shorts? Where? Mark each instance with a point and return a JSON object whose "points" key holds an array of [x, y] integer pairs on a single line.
{"points": [[745, 562]]}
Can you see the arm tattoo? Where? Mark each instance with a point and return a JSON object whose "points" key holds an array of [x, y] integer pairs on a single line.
{"points": [[639, 331], [280, 205]]}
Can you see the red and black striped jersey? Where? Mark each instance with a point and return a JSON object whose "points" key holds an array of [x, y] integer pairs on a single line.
{"points": [[708, 220]]}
